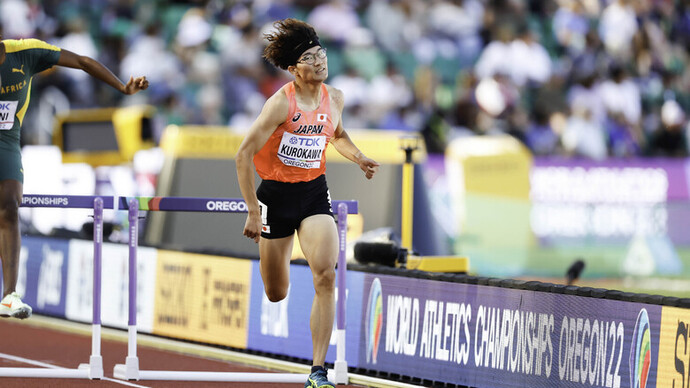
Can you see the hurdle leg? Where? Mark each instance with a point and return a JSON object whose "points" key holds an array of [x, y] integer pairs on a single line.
{"points": [[130, 369], [340, 365], [95, 365]]}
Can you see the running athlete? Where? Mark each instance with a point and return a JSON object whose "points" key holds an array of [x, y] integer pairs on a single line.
{"points": [[19, 61], [287, 144]]}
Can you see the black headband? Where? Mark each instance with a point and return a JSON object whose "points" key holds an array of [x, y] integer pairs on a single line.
{"points": [[302, 47]]}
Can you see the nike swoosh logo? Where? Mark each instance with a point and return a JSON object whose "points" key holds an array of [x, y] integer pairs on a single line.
{"points": [[20, 70], [9, 306]]}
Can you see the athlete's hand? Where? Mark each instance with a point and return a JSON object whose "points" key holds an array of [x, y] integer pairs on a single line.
{"points": [[136, 84], [252, 227], [369, 166]]}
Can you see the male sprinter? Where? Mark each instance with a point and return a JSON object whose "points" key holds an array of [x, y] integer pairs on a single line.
{"points": [[19, 61], [287, 144]]}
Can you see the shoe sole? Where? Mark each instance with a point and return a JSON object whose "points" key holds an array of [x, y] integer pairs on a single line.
{"points": [[19, 314], [313, 385]]}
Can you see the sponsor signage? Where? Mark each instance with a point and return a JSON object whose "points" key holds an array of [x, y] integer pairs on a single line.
{"points": [[42, 278], [302, 151], [64, 201], [670, 174], [610, 201], [202, 298], [283, 327], [186, 204], [226, 206], [8, 108], [52, 201], [490, 336], [674, 348], [114, 284]]}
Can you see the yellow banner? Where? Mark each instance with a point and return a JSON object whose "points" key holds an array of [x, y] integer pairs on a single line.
{"points": [[382, 145], [674, 348], [208, 142], [496, 166], [203, 142], [202, 298]]}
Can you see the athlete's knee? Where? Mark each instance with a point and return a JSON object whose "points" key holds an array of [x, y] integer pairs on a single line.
{"points": [[276, 294], [324, 280], [9, 210]]}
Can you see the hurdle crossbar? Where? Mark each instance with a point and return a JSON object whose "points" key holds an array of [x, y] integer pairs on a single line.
{"points": [[204, 204], [130, 369], [94, 368]]}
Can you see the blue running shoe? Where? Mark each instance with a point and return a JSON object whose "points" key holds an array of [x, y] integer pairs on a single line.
{"points": [[319, 379]]}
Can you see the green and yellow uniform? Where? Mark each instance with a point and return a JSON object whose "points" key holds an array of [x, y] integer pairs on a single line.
{"points": [[23, 59]]}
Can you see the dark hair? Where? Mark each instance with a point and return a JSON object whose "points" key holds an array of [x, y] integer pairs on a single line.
{"points": [[291, 38]]}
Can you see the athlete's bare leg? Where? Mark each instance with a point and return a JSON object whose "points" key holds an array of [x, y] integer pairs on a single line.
{"points": [[10, 243], [275, 266], [318, 237]]}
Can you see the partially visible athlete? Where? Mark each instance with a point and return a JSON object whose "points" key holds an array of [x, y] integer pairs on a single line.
{"points": [[19, 61], [287, 144]]}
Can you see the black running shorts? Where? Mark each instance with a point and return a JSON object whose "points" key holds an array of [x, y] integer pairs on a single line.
{"points": [[284, 205], [11, 165]]}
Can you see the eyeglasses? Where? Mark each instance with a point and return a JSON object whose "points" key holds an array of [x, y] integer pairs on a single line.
{"points": [[310, 59]]}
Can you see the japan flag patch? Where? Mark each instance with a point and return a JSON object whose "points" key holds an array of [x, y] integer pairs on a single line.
{"points": [[321, 117], [266, 229]]}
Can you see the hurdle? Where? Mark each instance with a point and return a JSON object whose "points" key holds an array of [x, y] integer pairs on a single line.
{"points": [[130, 369], [94, 368]]}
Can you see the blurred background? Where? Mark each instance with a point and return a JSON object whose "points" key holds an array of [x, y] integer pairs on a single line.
{"points": [[552, 130]]}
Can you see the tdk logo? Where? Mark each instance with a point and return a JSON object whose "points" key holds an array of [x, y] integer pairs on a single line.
{"points": [[226, 206], [309, 142], [5, 106]]}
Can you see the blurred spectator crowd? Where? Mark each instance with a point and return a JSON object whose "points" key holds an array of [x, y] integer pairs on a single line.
{"points": [[585, 78]]}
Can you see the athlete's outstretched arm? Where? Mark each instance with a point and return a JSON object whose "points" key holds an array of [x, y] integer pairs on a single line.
{"points": [[99, 71], [346, 147], [272, 115]]}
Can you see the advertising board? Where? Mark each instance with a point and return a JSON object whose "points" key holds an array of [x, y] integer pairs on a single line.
{"points": [[485, 336]]}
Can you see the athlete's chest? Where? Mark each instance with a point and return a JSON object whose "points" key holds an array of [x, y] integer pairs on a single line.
{"points": [[14, 75], [318, 122], [315, 121]]}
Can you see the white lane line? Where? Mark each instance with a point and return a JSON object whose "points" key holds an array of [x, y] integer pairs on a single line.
{"points": [[51, 366], [124, 382], [28, 361]]}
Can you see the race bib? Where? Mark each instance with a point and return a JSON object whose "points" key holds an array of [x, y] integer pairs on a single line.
{"points": [[7, 111], [301, 151]]}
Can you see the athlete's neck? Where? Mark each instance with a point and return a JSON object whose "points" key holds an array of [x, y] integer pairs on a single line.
{"points": [[308, 93]]}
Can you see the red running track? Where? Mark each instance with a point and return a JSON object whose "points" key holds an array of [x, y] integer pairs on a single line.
{"points": [[68, 349]]}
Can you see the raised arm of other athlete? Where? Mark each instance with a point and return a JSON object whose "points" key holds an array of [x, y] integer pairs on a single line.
{"points": [[97, 70], [272, 115], [344, 145]]}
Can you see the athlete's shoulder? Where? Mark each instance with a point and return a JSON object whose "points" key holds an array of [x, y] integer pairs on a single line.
{"points": [[336, 94], [280, 97], [276, 107], [332, 90], [16, 45]]}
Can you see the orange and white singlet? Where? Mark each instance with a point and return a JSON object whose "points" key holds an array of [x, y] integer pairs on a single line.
{"points": [[296, 151]]}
